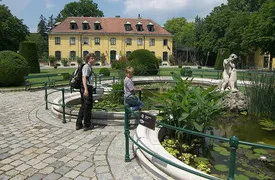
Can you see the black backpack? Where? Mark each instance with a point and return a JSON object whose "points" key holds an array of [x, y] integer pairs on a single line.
{"points": [[76, 78]]}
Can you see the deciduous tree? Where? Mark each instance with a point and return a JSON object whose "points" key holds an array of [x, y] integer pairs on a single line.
{"points": [[84, 8], [12, 30]]}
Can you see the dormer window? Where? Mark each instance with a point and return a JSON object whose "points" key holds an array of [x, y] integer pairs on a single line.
{"points": [[139, 26], [128, 26], [85, 25], [150, 27], [73, 24], [97, 25]]}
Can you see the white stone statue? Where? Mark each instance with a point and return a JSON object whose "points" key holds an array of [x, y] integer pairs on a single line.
{"points": [[229, 74]]}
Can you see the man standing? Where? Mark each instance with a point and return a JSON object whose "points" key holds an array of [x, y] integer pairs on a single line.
{"points": [[86, 92]]}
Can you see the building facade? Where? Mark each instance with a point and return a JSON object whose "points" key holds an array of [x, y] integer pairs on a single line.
{"points": [[109, 37]]}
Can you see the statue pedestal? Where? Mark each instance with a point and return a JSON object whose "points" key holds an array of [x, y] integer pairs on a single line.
{"points": [[235, 101]]}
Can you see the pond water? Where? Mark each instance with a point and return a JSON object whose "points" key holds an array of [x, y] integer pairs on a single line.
{"points": [[251, 162], [248, 161]]}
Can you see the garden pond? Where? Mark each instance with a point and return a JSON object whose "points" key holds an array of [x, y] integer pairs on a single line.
{"points": [[213, 156]]}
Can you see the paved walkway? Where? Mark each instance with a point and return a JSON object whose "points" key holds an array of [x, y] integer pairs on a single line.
{"points": [[36, 145]]}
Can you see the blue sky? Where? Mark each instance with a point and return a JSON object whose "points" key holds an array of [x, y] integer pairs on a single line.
{"points": [[158, 10]]}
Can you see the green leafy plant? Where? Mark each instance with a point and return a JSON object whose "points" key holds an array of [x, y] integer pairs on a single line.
{"points": [[186, 106], [65, 61], [267, 124]]}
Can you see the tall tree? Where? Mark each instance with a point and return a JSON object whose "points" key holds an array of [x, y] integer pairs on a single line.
{"points": [[50, 23], [84, 8], [174, 26], [12, 30], [42, 26], [245, 5], [42, 30], [261, 30]]}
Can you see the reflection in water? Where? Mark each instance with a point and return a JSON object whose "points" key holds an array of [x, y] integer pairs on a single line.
{"points": [[246, 128]]}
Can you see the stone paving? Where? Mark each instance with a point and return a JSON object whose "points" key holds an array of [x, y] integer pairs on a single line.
{"points": [[34, 145]]}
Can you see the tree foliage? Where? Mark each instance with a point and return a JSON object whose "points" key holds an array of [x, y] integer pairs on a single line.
{"points": [[84, 8], [261, 29], [28, 50], [12, 30]]}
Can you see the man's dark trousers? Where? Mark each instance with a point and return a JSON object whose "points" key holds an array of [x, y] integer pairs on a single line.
{"points": [[85, 111]]}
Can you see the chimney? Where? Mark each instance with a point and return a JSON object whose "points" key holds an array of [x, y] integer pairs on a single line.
{"points": [[117, 16]]}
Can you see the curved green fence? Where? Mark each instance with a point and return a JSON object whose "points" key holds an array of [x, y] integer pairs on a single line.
{"points": [[233, 142]]}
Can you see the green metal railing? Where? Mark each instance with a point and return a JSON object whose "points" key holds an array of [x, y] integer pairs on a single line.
{"points": [[233, 142]]}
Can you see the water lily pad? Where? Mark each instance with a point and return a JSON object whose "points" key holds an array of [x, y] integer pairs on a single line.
{"points": [[260, 151], [221, 167], [219, 149], [244, 146], [202, 159], [251, 156], [225, 153], [241, 169], [251, 174], [241, 177], [225, 144]]}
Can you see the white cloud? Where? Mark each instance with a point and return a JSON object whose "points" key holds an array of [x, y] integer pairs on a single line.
{"points": [[49, 4], [162, 10]]}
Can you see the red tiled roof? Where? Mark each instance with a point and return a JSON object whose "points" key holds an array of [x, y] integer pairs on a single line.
{"points": [[109, 25]]}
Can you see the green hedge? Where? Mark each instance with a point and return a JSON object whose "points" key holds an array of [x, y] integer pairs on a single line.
{"points": [[28, 50], [223, 53], [105, 71], [186, 72], [13, 68]]}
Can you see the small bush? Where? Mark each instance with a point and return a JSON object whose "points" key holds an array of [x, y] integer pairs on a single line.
{"points": [[13, 68], [186, 72], [180, 66], [29, 51], [105, 71], [144, 62], [121, 63]]}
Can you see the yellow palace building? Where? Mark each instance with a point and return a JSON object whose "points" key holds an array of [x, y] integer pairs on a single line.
{"points": [[113, 37]]}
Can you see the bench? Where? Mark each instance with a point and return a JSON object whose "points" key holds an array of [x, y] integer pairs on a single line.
{"points": [[41, 79]]}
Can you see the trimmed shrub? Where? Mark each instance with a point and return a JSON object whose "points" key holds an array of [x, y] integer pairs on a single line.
{"points": [[28, 50], [144, 62], [121, 63], [13, 68], [186, 72], [223, 53], [105, 71]]}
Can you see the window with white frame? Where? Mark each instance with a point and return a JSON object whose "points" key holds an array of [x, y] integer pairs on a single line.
{"points": [[86, 40], [72, 40], [97, 41], [139, 41], [151, 42], [72, 55], [113, 41], [128, 41], [57, 40], [58, 55]]}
